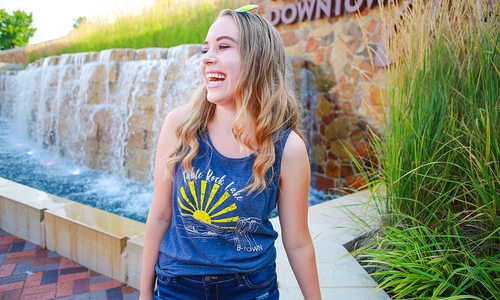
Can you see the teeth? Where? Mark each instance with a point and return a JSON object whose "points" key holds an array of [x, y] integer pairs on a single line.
{"points": [[212, 76]]}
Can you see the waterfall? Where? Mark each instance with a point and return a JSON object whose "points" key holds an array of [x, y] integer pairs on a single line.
{"points": [[307, 97], [101, 109], [105, 109]]}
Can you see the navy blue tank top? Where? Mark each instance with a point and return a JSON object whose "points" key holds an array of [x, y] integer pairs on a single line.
{"points": [[216, 226]]}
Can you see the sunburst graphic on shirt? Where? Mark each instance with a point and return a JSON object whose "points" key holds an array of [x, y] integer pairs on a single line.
{"points": [[209, 210]]}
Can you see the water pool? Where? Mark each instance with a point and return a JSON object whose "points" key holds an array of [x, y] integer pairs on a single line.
{"points": [[26, 163]]}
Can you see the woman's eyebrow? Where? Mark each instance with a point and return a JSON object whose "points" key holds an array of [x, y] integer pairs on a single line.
{"points": [[221, 38]]}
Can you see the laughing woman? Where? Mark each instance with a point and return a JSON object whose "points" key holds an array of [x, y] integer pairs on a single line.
{"points": [[223, 163]]}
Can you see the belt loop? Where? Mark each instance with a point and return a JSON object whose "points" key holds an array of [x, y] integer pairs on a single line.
{"points": [[238, 278]]}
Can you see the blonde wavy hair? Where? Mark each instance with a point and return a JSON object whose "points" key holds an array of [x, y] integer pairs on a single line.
{"points": [[265, 105]]}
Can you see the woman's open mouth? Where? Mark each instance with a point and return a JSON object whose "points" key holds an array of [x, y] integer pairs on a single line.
{"points": [[215, 79]]}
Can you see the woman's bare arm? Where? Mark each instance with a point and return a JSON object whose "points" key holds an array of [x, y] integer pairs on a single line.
{"points": [[293, 206]]}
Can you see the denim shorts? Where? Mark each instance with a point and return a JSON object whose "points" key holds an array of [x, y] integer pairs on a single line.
{"points": [[259, 285]]}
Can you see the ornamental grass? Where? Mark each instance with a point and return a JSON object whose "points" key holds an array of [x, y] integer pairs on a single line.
{"points": [[439, 155], [165, 24]]}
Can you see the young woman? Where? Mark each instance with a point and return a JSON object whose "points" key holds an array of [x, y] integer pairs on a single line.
{"points": [[223, 163]]}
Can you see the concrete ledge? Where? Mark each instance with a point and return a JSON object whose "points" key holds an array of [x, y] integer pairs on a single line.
{"points": [[21, 210], [91, 237], [134, 251]]}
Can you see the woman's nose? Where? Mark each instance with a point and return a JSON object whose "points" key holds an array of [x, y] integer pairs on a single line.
{"points": [[208, 58]]}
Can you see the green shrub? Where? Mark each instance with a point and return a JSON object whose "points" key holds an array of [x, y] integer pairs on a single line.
{"points": [[440, 156]]}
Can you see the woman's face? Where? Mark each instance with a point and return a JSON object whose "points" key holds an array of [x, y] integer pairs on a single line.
{"points": [[221, 65]]}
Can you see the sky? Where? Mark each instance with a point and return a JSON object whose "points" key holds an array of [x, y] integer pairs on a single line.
{"points": [[54, 18]]}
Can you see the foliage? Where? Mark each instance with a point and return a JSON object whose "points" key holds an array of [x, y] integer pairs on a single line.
{"points": [[165, 24], [15, 29], [420, 262], [79, 21], [323, 77], [440, 156]]}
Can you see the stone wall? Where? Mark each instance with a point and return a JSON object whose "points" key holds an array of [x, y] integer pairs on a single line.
{"points": [[16, 56], [344, 52]]}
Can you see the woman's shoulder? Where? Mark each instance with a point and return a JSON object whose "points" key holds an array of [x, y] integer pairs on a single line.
{"points": [[294, 163], [177, 116], [168, 134], [294, 148]]}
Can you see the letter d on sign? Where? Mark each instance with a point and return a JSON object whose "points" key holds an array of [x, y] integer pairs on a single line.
{"points": [[274, 16], [289, 14]]}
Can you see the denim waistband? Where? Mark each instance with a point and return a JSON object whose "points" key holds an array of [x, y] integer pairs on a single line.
{"points": [[220, 278], [207, 279]]}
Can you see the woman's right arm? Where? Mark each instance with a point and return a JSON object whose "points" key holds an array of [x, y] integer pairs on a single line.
{"points": [[160, 212]]}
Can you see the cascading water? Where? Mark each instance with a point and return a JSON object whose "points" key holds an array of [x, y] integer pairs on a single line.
{"points": [[101, 110], [87, 106], [308, 96]]}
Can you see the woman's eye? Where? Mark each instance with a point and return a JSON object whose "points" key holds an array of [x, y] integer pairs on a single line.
{"points": [[219, 47]]}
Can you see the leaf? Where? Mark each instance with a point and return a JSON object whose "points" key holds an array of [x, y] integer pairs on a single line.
{"points": [[246, 8]]}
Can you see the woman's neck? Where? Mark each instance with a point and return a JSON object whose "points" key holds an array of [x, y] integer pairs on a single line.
{"points": [[223, 117], [221, 130]]}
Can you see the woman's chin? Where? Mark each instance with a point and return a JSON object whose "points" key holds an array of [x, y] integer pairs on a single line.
{"points": [[218, 99]]}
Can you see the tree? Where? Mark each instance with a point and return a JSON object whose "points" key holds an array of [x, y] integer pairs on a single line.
{"points": [[15, 29], [79, 21]]}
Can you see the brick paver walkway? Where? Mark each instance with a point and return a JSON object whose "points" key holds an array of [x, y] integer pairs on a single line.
{"points": [[27, 271]]}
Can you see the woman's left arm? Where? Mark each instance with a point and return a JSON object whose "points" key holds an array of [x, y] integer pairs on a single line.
{"points": [[293, 205]]}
